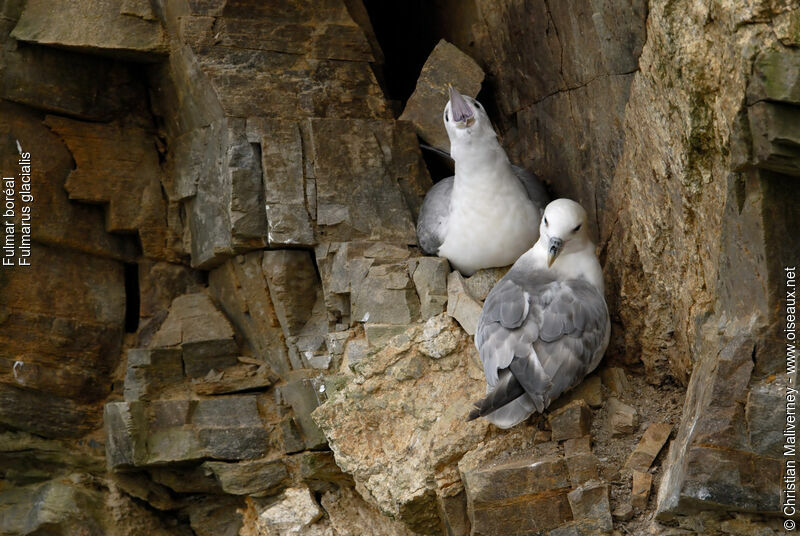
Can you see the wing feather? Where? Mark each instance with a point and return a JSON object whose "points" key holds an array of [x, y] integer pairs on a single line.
{"points": [[547, 333], [434, 215]]}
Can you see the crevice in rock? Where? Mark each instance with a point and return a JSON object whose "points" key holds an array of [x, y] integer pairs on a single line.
{"points": [[407, 33], [131, 297]]}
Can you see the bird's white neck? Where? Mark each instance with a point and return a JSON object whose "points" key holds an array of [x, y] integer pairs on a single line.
{"points": [[481, 159], [576, 262]]}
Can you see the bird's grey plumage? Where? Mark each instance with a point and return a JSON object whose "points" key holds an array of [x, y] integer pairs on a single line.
{"points": [[433, 216], [534, 186], [543, 327]]}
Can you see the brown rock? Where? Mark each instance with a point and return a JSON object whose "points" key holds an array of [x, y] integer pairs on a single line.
{"points": [[622, 418], [204, 335], [615, 379], [427, 415], [430, 280], [350, 515], [364, 201], [578, 445], [494, 496], [623, 512], [590, 501], [649, 446], [241, 377], [582, 468], [542, 436], [588, 390], [461, 305], [285, 186], [640, 490], [106, 28], [129, 154], [241, 289], [445, 65], [256, 478], [60, 222], [572, 421]]}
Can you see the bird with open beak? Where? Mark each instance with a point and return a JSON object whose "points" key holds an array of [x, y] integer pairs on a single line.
{"points": [[488, 213]]}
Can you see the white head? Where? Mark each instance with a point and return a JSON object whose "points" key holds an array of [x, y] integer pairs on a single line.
{"points": [[563, 228], [465, 120]]}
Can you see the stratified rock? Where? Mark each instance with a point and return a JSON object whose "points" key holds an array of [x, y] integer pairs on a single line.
{"points": [[776, 76], [640, 489], [150, 371], [242, 377], [711, 463], [461, 305], [350, 515], [622, 418], [573, 420], [300, 392], [162, 282], [426, 400], [296, 294], [61, 330], [203, 334], [446, 65], [241, 288], [168, 431], [64, 82], [61, 222], [776, 136], [129, 155], [377, 197], [590, 502], [256, 478], [221, 191], [765, 422], [430, 280], [386, 296], [287, 192], [522, 497], [649, 446], [582, 467], [319, 471], [58, 502], [215, 515], [106, 28]]}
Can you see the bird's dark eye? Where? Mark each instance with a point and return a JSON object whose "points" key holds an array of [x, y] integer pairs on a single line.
{"points": [[446, 117], [478, 104], [545, 222], [578, 228]]}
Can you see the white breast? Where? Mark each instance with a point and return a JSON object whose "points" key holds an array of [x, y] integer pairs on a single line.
{"points": [[492, 222]]}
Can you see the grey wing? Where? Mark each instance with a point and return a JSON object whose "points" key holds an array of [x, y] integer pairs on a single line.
{"points": [[547, 334], [573, 334], [533, 185], [433, 216]]}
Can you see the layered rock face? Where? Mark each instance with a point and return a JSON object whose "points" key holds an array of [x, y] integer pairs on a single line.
{"points": [[227, 327]]}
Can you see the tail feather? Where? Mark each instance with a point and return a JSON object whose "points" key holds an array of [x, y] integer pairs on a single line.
{"points": [[506, 391]]}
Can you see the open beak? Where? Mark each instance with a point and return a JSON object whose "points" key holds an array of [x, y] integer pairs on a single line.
{"points": [[553, 250], [463, 115]]}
